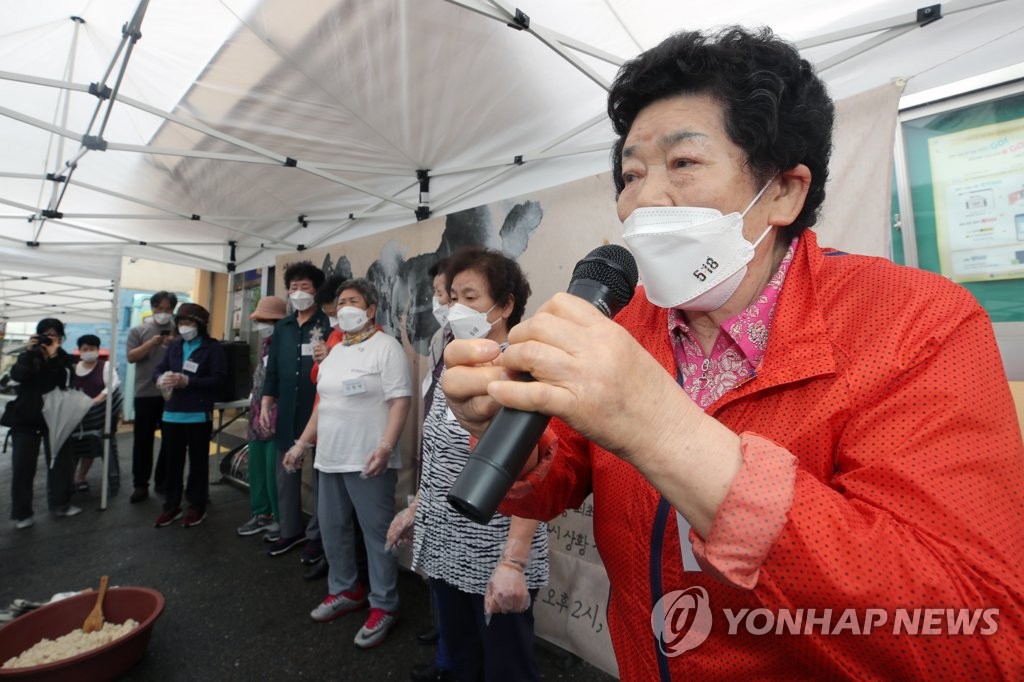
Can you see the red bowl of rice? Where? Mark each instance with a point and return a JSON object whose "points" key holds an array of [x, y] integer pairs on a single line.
{"points": [[60, 618]]}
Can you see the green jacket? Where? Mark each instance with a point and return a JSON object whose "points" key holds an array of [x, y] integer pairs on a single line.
{"points": [[288, 374]]}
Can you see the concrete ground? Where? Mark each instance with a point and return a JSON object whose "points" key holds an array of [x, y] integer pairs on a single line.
{"points": [[232, 612]]}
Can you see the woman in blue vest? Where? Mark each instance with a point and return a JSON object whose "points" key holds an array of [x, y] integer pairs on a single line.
{"points": [[191, 376]]}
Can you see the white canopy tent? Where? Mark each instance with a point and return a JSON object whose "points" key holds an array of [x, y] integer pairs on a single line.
{"points": [[225, 133]]}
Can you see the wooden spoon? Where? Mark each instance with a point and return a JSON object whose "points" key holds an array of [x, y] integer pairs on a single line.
{"points": [[94, 621]]}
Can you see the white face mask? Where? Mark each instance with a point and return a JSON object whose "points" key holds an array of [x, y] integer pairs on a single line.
{"points": [[188, 333], [90, 356], [351, 318], [467, 323], [161, 318], [333, 321], [690, 258], [301, 300], [440, 311], [265, 329]]}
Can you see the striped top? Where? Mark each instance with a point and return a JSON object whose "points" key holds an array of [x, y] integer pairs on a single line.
{"points": [[447, 545]]}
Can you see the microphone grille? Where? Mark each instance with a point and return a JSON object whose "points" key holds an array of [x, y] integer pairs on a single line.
{"points": [[614, 267]]}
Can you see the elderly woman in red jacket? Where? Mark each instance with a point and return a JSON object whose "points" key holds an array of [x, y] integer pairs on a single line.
{"points": [[795, 454]]}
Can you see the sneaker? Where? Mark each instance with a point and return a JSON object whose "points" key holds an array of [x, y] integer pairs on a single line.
{"points": [[257, 524], [316, 571], [168, 517], [273, 533], [376, 628], [70, 510], [335, 605], [22, 524], [139, 494], [193, 517], [285, 545], [312, 552]]}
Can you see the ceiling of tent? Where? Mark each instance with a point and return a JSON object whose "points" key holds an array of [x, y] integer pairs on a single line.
{"points": [[245, 128]]}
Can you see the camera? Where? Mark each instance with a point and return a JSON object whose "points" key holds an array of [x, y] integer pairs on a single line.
{"points": [[46, 340]]}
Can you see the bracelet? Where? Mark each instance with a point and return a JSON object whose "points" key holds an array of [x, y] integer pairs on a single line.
{"points": [[513, 564], [305, 446]]}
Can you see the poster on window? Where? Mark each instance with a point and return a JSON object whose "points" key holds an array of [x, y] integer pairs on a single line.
{"points": [[978, 180]]}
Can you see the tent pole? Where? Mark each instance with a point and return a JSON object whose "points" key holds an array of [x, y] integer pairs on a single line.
{"points": [[115, 308]]}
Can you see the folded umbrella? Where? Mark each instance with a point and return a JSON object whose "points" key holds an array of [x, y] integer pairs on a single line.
{"points": [[63, 411]]}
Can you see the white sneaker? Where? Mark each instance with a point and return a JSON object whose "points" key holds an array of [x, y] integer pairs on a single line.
{"points": [[335, 605], [376, 628], [21, 524], [70, 510]]}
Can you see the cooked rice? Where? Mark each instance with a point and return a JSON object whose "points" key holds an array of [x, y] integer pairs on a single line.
{"points": [[76, 642]]}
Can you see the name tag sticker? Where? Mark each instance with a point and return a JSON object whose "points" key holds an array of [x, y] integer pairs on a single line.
{"points": [[307, 349], [353, 387], [189, 367]]}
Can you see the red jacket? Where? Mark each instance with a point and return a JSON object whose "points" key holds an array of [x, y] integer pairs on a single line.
{"points": [[886, 385]]}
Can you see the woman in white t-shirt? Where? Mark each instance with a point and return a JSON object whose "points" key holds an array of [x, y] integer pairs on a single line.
{"points": [[364, 394]]}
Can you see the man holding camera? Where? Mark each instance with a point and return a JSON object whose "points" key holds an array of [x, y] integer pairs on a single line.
{"points": [[146, 345], [42, 367]]}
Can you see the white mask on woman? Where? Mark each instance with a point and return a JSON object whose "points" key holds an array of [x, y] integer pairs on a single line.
{"points": [[301, 300], [90, 356], [265, 329], [690, 258], [351, 319], [188, 333], [467, 323], [440, 311]]}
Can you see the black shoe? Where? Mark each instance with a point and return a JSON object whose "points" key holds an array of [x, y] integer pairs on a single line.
{"points": [[428, 637], [430, 673], [316, 571], [312, 552], [139, 494], [284, 545]]}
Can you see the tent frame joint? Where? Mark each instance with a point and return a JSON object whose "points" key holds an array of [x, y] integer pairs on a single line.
{"points": [[94, 143], [926, 15], [521, 21], [423, 209], [100, 91]]}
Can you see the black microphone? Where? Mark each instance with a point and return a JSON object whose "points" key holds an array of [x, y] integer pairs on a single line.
{"points": [[607, 278]]}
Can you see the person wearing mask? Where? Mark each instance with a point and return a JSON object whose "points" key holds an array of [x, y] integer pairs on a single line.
{"points": [[96, 377], [288, 384], [769, 426], [440, 668], [146, 345], [326, 298], [42, 367], [364, 390], [485, 578], [262, 452], [193, 373]]}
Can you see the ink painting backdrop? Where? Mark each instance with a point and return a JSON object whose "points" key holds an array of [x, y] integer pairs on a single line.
{"points": [[547, 232]]}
